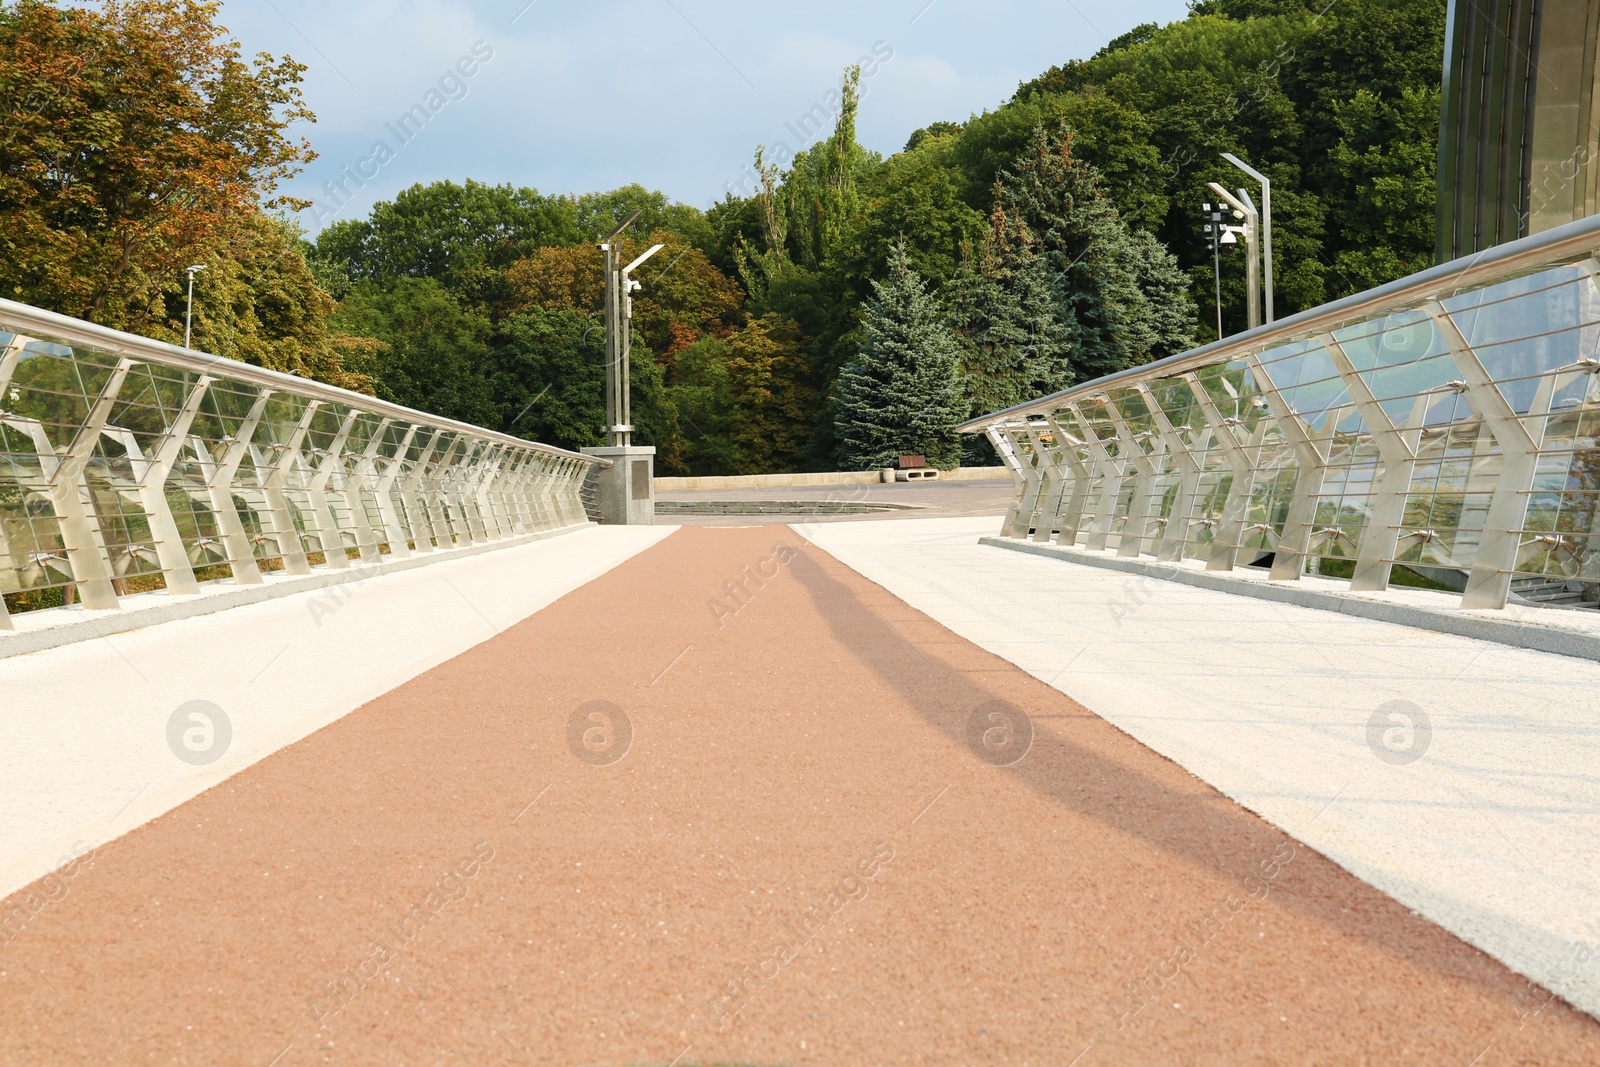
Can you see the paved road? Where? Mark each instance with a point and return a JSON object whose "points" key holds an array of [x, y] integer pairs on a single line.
{"points": [[806, 854]]}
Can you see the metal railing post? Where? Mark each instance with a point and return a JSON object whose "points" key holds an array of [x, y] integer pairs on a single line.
{"points": [[81, 536]]}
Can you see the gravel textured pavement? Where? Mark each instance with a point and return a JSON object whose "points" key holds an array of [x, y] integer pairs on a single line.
{"points": [[731, 802]]}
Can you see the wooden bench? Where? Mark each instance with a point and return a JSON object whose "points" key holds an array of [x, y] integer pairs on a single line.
{"points": [[914, 468]]}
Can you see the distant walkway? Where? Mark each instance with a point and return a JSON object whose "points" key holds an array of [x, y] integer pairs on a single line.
{"points": [[927, 499], [730, 801]]}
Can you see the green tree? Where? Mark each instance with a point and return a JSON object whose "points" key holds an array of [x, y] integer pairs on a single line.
{"points": [[1015, 347], [806, 264], [1164, 323], [684, 296], [745, 400], [463, 236], [1118, 296], [915, 196], [1386, 153], [434, 355], [901, 394], [597, 214], [259, 303], [735, 225], [1331, 101], [933, 129], [546, 370], [819, 195], [1115, 137]]}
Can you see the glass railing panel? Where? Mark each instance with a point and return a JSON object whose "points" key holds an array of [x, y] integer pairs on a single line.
{"points": [[1136, 416], [1100, 425], [146, 490], [1314, 402], [1228, 385], [1288, 365], [1518, 367], [1535, 330], [1532, 286], [1176, 400], [56, 387], [324, 429]]}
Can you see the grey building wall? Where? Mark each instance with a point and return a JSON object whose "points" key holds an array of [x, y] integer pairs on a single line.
{"points": [[1518, 144]]}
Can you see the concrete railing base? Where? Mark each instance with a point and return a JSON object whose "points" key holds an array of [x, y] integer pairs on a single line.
{"points": [[1561, 633], [53, 627]]}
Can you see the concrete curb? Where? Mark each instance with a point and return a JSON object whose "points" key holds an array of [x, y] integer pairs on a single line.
{"points": [[55, 629], [1516, 633]]}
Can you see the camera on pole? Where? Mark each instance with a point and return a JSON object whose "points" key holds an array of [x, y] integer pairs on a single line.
{"points": [[1218, 233]]}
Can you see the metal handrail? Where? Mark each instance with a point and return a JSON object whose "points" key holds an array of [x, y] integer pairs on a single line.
{"points": [[126, 512]]}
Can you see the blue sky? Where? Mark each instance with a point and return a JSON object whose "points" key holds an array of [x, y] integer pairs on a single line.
{"points": [[673, 94]]}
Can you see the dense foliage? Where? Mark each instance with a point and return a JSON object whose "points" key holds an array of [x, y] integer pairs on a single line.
{"points": [[852, 308]]}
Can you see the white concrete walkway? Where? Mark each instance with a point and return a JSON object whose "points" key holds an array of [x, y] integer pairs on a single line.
{"points": [[1489, 830], [85, 749]]}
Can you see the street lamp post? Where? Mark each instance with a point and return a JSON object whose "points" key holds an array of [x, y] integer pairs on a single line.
{"points": [[625, 290], [1245, 209], [1266, 220], [619, 431], [625, 491], [1221, 238], [188, 313]]}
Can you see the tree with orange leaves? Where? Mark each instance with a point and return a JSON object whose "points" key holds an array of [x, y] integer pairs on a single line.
{"points": [[134, 140], [684, 296]]}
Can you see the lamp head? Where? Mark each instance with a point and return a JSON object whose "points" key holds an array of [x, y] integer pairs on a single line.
{"points": [[612, 236], [631, 267]]}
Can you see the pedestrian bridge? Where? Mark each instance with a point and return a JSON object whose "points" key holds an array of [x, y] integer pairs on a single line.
{"points": [[334, 732]]}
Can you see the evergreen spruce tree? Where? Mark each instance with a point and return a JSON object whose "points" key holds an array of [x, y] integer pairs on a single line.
{"points": [[1015, 348], [1166, 323], [1104, 275], [900, 395]]}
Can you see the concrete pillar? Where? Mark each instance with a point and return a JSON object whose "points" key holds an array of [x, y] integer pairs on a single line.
{"points": [[626, 491]]}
